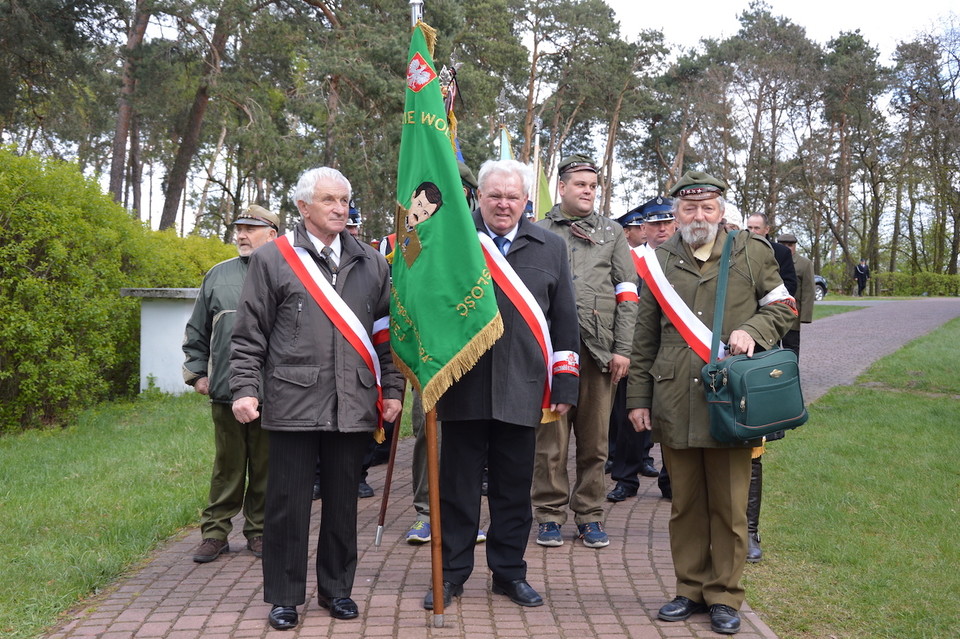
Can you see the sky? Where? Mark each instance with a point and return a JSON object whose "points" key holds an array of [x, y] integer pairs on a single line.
{"points": [[881, 24]]}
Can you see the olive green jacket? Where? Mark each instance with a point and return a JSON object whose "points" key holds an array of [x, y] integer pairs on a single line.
{"points": [[664, 372], [598, 265], [206, 340], [805, 297]]}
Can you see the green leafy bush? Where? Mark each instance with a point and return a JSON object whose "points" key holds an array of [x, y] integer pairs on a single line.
{"points": [[67, 338], [921, 283]]}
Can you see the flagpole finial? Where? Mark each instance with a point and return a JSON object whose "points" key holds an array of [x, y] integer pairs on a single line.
{"points": [[502, 105], [416, 11]]}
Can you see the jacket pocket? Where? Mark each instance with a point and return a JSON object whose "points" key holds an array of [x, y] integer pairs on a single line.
{"points": [[366, 377], [291, 397], [304, 376], [663, 370]]}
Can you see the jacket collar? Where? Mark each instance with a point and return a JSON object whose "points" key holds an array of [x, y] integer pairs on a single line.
{"points": [[350, 247], [588, 221], [527, 231]]}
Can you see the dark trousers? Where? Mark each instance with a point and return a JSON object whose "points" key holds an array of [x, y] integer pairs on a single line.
{"points": [[633, 448], [286, 532], [464, 447], [791, 341]]}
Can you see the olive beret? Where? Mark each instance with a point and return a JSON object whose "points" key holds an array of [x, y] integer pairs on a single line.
{"points": [[697, 185], [576, 163]]}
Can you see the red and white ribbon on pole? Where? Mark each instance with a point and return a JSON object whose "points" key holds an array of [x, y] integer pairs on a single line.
{"points": [[694, 332], [337, 311]]}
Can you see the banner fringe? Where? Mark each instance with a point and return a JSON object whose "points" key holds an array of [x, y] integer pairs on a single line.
{"points": [[457, 366]]}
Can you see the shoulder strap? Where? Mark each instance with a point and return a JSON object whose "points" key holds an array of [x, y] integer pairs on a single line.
{"points": [[721, 295]]}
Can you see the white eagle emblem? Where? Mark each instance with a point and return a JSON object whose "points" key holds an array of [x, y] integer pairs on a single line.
{"points": [[419, 73]]}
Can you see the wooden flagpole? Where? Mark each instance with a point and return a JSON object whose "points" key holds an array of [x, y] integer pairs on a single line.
{"points": [[436, 538]]}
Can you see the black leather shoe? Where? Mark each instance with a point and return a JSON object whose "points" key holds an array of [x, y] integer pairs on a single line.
{"points": [[724, 619], [621, 493], [680, 609], [647, 470], [607, 467], [364, 490], [316, 490], [283, 617], [340, 607], [754, 552], [519, 592], [450, 590]]}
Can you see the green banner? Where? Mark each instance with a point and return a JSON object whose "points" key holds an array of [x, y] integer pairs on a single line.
{"points": [[443, 310]]}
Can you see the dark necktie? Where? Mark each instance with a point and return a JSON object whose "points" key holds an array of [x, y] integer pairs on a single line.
{"points": [[327, 254], [502, 243]]}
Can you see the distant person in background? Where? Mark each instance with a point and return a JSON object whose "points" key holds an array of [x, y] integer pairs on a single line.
{"points": [[861, 273], [239, 478], [804, 295], [354, 220], [759, 223]]}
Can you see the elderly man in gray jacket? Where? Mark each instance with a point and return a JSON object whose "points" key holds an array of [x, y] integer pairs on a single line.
{"points": [[305, 325]]}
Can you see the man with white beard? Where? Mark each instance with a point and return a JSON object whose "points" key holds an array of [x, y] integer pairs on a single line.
{"points": [[710, 479]]}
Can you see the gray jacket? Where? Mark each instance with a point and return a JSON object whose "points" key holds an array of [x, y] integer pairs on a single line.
{"points": [[313, 379]]}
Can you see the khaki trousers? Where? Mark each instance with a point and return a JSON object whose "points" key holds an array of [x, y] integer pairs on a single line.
{"points": [[708, 522], [589, 422]]}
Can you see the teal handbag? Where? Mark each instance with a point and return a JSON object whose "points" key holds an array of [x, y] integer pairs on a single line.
{"points": [[749, 397]]}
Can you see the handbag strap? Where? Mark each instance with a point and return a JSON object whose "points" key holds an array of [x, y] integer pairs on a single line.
{"points": [[721, 296]]}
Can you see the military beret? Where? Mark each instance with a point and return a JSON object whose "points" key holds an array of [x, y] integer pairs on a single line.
{"points": [[258, 216], [697, 185], [466, 175], [787, 238], [576, 162]]}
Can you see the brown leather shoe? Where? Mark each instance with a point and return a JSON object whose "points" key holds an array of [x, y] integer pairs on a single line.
{"points": [[210, 549], [255, 546]]}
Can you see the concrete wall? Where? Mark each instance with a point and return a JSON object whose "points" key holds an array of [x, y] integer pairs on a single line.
{"points": [[163, 316]]}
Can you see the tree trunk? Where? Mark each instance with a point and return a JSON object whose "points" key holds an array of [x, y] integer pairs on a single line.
{"points": [[125, 109], [177, 178], [136, 166]]}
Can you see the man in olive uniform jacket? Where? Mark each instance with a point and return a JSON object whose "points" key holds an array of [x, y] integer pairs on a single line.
{"points": [[239, 478], [708, 523], [605, 283]]}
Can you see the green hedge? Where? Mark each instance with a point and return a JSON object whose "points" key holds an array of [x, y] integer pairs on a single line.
{"points": [[67, 338], [922, 283]]}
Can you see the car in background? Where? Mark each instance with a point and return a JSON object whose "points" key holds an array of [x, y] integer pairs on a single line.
{"points": [[819, 287]]}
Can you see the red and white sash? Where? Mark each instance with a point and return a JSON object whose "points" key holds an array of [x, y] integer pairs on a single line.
{"points": [[694, 332], [526, 304], [337, 311]]}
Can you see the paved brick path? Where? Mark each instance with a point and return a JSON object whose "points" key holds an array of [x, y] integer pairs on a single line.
{"points": [[609, 593]]}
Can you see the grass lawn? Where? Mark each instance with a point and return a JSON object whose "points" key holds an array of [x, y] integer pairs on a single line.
{"points": [[860, 519], [79, 506]]}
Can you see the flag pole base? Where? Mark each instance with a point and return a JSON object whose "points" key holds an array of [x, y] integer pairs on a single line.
{"points": [[379, 538], [438, 621]]}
